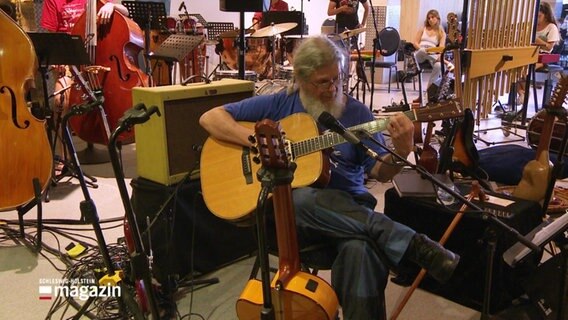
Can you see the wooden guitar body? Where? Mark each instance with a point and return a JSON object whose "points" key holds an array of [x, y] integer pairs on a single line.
{"points": [[534, 182], [429, 156], [229, 177], [465, 157], [305, 297]]}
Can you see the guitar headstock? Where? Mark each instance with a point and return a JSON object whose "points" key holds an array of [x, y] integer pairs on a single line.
{"points": [[453, 32], [439, 111], [271, 145], [559, 93]]}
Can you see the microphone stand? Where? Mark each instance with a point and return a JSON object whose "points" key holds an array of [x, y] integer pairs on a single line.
{"points": [[484, 215], [376, 46]]}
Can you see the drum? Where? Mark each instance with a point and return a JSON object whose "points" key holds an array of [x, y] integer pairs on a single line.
{"points": [[234, 74], [171, 25], [285, 72], [534, 131], [188, 26], [257, 55], [191, 25], [266, 87]]}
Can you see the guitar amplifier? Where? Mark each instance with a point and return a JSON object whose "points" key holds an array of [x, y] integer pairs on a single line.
{"points": [[166, 146], [470, 240]]}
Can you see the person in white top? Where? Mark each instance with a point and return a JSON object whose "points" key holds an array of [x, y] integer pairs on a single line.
{"points": [[547, 33], [547, 36], [430, 35]]}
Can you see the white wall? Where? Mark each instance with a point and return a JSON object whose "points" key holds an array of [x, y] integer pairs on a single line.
{"points": [[315, 12]]}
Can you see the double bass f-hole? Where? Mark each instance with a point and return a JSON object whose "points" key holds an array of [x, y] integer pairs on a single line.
{"points": [[119, 70], [14, 109]]}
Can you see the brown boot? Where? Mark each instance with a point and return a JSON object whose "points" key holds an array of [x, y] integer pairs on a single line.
{"points": [[437, 260]]}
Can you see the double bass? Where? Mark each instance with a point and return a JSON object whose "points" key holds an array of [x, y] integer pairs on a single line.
{"points": [[24, 146], [115, 46]]}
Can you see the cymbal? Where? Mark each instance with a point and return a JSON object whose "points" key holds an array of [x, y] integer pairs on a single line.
{"points": [[350, 33], [272, 30], [234, 33], [209, 42]]}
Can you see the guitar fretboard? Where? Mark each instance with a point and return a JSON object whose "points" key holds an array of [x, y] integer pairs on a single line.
{"points": [[330, 139]]}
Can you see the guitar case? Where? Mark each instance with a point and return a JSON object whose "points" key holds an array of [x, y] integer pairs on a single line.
{"points": [[504, 164], [216, 242]]}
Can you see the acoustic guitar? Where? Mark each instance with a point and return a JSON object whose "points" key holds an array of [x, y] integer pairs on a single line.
{"points": [[295, 294], [537, 173], [227, 171]]}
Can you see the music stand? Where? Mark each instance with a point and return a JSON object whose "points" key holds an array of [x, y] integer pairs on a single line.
{"points": [[214, 29], [148, 15], [58, 49], [175, 48]]}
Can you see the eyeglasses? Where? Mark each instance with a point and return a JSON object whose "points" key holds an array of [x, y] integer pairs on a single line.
{"points": [[326, 84]]}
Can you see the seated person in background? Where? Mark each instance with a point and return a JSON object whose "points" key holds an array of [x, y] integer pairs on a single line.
{"points": [[429, 36], [547, 36], [341, 214], [275, 5]]}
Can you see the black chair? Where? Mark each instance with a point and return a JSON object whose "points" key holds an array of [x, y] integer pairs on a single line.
{"points": [[388, 44]]}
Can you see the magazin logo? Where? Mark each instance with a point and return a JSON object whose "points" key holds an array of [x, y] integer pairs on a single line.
{"points": [[77, 290]]}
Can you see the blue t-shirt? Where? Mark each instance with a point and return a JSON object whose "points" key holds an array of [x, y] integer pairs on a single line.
{"points": [[348, 163]]}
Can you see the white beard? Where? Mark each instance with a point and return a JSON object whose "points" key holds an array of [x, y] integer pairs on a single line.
{"points": [[315, 106]]}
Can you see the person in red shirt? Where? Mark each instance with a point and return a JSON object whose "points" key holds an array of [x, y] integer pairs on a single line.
{"points": [[275, 5], [61, 15]]}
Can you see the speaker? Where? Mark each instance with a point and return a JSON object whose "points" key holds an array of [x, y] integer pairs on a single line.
{"points": [[166, 145], [470, 239], [185, 235], [242, 5]]}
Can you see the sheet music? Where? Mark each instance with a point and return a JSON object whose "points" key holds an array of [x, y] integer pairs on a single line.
{"points": [[543, 233]]}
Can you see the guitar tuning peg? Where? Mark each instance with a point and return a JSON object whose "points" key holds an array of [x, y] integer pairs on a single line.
{"points": [[254, 149], [256, 159], [251, 139]]}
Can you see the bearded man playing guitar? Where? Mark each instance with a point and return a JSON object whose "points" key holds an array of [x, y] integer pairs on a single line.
{"points": [[341, 214]]}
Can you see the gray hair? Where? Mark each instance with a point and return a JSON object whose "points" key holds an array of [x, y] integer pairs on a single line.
{"points": [[313, 54]]}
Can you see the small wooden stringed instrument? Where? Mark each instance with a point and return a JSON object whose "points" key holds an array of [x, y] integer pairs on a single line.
{"points": [[537, 173], [429, 155], [295, 294], [227, 170]]}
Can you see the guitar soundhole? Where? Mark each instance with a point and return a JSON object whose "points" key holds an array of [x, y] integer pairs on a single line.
{"points": [[312, 285]]}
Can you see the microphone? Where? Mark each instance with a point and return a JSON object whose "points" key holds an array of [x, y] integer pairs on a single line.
{"points": [[329, 121], [181, 6]]}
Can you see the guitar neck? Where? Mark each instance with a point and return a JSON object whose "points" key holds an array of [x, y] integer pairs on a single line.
{"points": [[331, 139]]}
